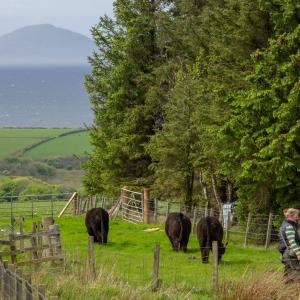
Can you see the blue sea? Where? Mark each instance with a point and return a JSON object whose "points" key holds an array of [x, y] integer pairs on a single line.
{"points": [[44, 97]]}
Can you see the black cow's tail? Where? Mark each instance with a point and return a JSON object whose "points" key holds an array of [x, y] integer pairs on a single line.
{"points": [[208, 241], [181, 229]]}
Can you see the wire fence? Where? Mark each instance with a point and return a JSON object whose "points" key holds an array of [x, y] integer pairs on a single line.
{"points": [[182, 272], [32, 205], [16, 285], [256, 229]]}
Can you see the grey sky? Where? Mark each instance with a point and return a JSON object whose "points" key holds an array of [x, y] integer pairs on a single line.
{"points": [[75, 15]]}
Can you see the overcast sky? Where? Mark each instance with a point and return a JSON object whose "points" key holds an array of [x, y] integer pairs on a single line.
{"points": [[75, 15]]}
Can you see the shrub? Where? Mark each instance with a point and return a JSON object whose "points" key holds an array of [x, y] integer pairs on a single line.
{"points": [[268, 286], [25, 167]]}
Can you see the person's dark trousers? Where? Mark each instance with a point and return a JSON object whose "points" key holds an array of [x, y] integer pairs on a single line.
{"points": [[291, 267]]}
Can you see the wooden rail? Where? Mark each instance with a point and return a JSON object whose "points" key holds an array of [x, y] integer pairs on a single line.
{"points": [[16, 285], [41, 245]]}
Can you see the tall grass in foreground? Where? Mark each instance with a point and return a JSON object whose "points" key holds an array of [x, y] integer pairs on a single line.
{"points": [[75, 282], [266, 286], [124, 267]]}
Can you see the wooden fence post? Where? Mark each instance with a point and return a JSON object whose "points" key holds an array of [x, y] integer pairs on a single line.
{"points": [[11, 281], [19, 286], [28, 288], [33, 242], [39, 239], [5, 278], [247, 230], [47, 222], [1, 280], [75, 205], [55, 240], [91, 257], [12, 247], [47, 239], [268, 237], [41, 292], [215, 265], [146, 205], [156, 267]]}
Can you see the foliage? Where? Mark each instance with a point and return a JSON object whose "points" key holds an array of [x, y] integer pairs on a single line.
{"points": [[266, 126], [121, 75], [25, 167], [14, 186], [194, 96], [65, 162]]}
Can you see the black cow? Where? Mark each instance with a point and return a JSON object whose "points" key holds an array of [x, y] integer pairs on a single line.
{"points": [[209, 229], [97, 224], [178, 229]]}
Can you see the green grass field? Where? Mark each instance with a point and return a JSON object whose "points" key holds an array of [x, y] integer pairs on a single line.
{"points": [[16, 140], [73, 144], [124, 266]]}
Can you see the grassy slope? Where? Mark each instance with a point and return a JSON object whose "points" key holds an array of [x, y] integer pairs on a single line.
{"points": [[73, 144], [128, 258], [15, 139]]}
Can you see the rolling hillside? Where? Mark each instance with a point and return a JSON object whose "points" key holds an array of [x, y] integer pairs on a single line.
{"points": [[41, 143]]}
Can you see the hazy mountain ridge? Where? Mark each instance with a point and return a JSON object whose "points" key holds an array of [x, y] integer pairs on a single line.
{"points": [[44, 44]]}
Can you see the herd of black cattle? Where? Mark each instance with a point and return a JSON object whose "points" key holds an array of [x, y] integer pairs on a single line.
{"points": [[177, 227]]}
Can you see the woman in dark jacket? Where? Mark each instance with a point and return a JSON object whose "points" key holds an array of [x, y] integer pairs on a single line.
{"points": [[289, 245]]}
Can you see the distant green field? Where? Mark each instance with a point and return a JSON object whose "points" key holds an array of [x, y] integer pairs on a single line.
{"points": [[15, 140], [73, 144]]}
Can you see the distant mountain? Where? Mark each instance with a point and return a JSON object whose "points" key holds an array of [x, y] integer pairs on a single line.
{"points": [[43, 45]]}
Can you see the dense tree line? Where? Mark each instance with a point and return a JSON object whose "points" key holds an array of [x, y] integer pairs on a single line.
{"points": [[199, 100]]}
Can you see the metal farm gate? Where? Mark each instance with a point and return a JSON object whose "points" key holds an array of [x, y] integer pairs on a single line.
{"points": [[132, 206]]}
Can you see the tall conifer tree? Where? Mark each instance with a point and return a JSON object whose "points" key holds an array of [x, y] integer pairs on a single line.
{"points": [[266, 122], [121, 75]]}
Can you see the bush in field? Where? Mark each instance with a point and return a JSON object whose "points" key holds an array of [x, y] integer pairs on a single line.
{"points": [[8, 188], [65, 162], [14, 186], [25, 167], [36, 188]]}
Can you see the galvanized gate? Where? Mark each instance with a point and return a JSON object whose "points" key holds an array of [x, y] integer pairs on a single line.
{"points": [[132, 206]]}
